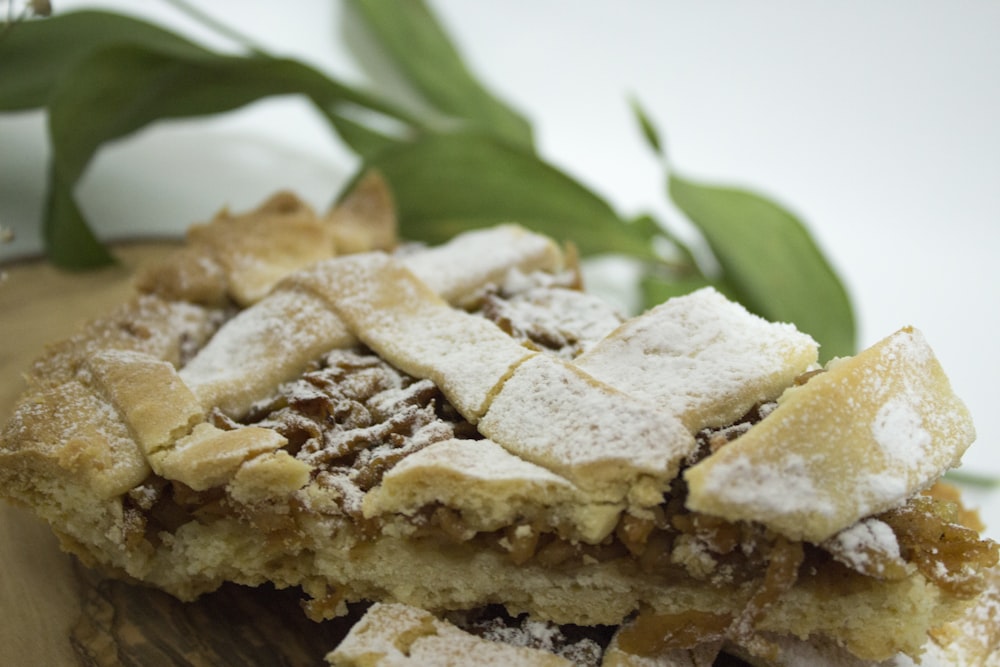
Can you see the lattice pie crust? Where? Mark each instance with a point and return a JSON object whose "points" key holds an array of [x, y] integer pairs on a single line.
{"points": [[296, 399]]}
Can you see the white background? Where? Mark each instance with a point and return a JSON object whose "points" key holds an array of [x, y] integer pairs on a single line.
{"points": [[875, 121]]}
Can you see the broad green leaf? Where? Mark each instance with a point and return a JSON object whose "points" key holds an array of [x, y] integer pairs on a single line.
{"points": [[771, 261], [447, 183], [422, 51], [117, 90], [120, 89], [34, 54], [362, 139]]}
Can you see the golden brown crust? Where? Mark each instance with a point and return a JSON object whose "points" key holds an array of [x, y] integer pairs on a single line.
{"points": [[491, 489], [167, 330], [240, 257], [65, 432], [365, 219], [854, 441], [263, 346], [149, 396], [705, 359]]}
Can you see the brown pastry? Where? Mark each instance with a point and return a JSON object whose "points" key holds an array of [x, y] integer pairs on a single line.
{"points": [[459, 428]]}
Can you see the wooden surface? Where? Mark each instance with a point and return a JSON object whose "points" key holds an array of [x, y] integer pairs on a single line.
{"points": [[54, 611]]}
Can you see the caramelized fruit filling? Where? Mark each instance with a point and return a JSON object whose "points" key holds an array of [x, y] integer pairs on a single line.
{"points": [[353, 417]]}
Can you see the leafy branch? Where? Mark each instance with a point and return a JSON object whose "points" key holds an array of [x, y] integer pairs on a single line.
{"points": [[466, 160]]}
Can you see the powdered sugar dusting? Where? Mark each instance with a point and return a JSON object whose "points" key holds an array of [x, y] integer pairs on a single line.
{"points": [[402, 635], [765, 490], [458, 269], [465, 355], [543, 636], [482, 460], [858, 545], [898, 429], [702, 358], [550, 413], [853, 441], [566, 321], [262, 346]]}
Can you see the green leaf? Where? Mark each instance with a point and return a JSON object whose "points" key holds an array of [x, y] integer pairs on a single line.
{"points": [[362, 139], [68, 238], [34, 54], [421, 50], [119, 89], [771, 261], [447, 183], [648, 128]]}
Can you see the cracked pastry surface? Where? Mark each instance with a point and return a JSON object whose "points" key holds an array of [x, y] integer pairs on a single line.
{"points": [[444, 429]]}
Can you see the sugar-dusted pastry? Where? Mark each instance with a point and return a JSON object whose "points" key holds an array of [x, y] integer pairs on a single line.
{"points": [[240, 257], [854, 441], [399, 635], [493, 459]]}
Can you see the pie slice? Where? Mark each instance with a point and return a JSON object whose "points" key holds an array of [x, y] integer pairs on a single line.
{"points": [[463, 437]]}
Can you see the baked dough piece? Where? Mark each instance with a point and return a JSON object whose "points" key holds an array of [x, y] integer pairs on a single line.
{"points": [[390, 634], [491, 489], [397, 315], [854, 441], [309, 312], [168, 330], [148, 394], [486, 257], [241, 257], [610, 444], [346, 432], [210, 457], [971, 640], [63, 434], [394, 634], [365, 219], [262, 346], [702, 358]]}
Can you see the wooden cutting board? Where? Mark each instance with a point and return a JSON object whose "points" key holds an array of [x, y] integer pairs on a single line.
{"points": [[56, 612]]}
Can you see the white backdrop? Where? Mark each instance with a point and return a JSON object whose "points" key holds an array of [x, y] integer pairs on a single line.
{"points": [[876, 122]]}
